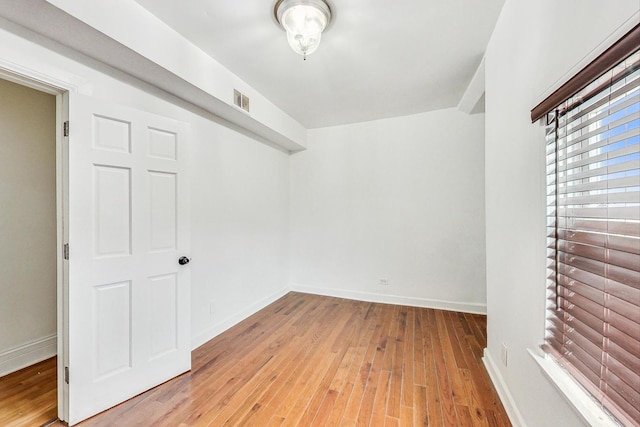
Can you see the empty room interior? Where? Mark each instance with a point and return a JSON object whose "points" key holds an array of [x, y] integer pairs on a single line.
{"points": [[320, 212]]}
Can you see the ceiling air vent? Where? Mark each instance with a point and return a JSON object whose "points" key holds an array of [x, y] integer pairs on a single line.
{"points": [[240, 100]]}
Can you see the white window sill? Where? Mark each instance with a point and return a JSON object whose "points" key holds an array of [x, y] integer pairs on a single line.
{"points": [[582, 403]]}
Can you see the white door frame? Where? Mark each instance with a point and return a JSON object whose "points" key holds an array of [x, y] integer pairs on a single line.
{"points": [[35, 80]]}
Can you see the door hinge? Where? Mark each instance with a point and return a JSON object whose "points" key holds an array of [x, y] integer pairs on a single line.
{"points": [[65, 251], [66, 128], [66, 374]]}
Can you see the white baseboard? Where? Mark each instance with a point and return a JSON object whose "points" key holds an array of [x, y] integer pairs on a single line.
{"points": [[503, 391], [27, 354], [393, 299], [218, 328]]}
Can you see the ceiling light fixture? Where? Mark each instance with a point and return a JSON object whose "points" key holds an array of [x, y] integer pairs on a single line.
{"points": [[304, 21]]}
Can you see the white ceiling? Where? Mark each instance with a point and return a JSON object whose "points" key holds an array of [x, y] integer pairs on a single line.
{"points": [[378, 59]]}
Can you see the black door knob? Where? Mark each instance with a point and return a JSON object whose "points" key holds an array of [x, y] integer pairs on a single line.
{"points": [[183, 260]]}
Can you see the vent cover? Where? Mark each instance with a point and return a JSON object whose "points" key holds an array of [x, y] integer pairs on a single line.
{"points": [[240, 100]]}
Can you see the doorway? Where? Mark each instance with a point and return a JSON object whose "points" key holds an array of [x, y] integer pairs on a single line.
{"points": [[31, 270], [112, 152]]}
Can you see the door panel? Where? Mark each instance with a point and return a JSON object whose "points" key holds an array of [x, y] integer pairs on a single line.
{"points": [[162, 144], [112, 211], [163, 209], [163, 314], [111, 134], [112, 328], [129, 300]]}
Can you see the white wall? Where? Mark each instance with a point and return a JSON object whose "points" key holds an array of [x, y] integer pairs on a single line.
{"points": [[239, 186], [400, 199], [240, 227], [533, 46], [132, 39], [27, 220]]}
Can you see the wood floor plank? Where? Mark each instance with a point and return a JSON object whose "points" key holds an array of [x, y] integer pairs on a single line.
{"points": [[323, 365], [379, 412], [340, 406], [451, 320], [28, 397], [280, 383], [447, 406], [378, 344], [419, 370], [464, 416], [455, 381], [479, 378], [478, 327], [318, 391], [309, 360], [362, 378], [406, 415], [420, 416], [475, 407], [305, 390], [395, 388], [246, 403], [276, 394], [335, 374], [328, 402], [275, 421], [407, 365], [392, 422], [434, 395], [229, 383]]}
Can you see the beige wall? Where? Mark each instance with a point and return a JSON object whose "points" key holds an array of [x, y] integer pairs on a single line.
{"points": [[27, 216]]}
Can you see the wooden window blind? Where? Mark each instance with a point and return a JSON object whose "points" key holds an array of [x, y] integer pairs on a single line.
{"points": [[593, 219]]}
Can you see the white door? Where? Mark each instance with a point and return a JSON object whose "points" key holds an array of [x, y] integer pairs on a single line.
{"points": [[129, 298]]}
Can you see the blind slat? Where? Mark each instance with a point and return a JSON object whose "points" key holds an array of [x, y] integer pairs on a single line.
{"points": [[625, 212], [628, 326], [626, 260], [629, 165], [601, 300], [619, 274], [576, 160], [627, 293], [631, 181], [601, 297], [624, 389], [579, 316], [625, 228], [628, 359], [612, 102], [621, 89], [629, 136], [603, 198], [573, 142], [599, 126], [620, 243]]}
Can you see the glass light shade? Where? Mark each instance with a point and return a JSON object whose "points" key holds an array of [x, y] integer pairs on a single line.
{"points": [[304, 22], [304, 45]]}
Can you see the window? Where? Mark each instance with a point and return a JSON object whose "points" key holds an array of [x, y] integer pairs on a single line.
{"points": [[593, 183]]}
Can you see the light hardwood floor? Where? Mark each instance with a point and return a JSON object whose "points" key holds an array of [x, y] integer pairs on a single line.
{"points": [[28, 397], [311, 360]]}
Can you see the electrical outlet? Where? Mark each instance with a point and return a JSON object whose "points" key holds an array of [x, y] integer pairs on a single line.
{"points": [[212, 308], [503, 354], [384, 282]]}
